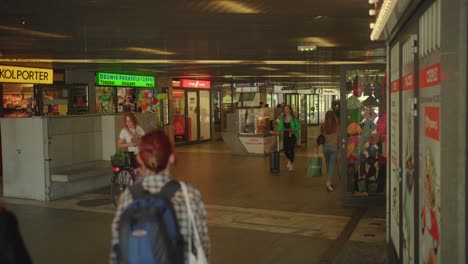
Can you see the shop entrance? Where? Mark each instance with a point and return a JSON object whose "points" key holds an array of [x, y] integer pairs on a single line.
{"points": [[192, 115]]}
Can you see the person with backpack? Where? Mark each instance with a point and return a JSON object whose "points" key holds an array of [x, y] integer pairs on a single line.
{"points": [[159, 220], [290, 127]]}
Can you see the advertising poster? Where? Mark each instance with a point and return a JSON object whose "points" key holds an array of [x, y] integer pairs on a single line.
{"points": [[395, 148], [430, 149], [407, 152]]}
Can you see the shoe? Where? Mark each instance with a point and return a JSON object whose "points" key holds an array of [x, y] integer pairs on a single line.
{"points": [[291, 167], [288, 165], [329, 188]]}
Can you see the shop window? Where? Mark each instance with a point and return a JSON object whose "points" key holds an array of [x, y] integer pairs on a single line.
{"points": [[18, 100]]}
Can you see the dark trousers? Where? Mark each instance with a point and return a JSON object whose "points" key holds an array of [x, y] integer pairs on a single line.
{"points": [[289, 143]]}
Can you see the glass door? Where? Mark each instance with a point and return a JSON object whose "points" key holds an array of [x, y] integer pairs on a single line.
{"points": [[204, 115], [178, 106], [313, 109], [293, 101], [192, 116]]}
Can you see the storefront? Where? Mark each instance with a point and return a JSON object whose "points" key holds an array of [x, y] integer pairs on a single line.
{"points": [[17, 90], [363, 114], [192, 111], [120, 93], [427, 118]]}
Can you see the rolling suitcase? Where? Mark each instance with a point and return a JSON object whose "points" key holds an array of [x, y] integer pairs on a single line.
{"points": [[275, 158]]}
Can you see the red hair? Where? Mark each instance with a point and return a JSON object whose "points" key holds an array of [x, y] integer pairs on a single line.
{"points": [[155, 150]]}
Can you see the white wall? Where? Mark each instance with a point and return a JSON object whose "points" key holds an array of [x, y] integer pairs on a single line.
{"points": [[23, 151]]}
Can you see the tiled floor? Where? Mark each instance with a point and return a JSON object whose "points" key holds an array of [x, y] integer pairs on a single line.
{"points": [[254, 216]]}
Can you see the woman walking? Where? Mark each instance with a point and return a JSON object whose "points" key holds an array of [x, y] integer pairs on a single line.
{"points": [[291, 128], [330, 129]]}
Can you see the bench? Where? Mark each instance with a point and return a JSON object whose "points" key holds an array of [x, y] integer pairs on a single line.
{"points": [[79, 178]]}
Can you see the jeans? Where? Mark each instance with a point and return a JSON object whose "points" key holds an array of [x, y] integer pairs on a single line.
{"points": [[331, 154], [289, 143]]}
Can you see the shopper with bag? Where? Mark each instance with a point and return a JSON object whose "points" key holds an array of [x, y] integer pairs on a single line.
{"points": [[290, 127], [159, 220], [330, 129]]}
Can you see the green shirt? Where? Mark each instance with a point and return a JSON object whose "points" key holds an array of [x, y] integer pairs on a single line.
{"points": [[294, 125]]}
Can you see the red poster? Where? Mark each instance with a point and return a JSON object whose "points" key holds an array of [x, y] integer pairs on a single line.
{"points": [[432, 122], [408, 82], [430, 76], [179, 127], [195, 84], [395, 87]]}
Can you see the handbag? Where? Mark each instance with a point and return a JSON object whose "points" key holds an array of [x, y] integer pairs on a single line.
{"points": [[315, 167], [321, 139], [199, 256]]}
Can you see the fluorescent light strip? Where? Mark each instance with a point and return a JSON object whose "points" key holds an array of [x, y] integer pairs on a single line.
{"points": [[34, 32], [382, 19], [141, 61], [149, 51], [234, 7]]}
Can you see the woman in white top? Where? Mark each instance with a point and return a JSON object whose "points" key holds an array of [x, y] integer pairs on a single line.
{"points": [[130, 135]]}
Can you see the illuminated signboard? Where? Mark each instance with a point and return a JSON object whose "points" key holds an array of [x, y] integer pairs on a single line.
{"points": [[195, 84], [12, 74], [112, 79]]}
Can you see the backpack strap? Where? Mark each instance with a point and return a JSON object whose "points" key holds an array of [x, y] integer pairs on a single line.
{"points": [[138, 191], [169, 189]]}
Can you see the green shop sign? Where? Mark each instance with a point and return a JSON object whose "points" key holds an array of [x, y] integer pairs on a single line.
{"points": [[111, 79]]}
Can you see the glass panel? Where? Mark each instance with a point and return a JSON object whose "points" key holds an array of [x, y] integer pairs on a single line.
{"points": [[126, 99], [105, 99], [55, 100], [18, 100], [312, 107], [192, 116], [79, 97], [205, 128], [178, 105], [366, 160]]}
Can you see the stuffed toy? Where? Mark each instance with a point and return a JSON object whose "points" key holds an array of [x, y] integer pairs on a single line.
{"points": [[354, 129], [353, 102]]}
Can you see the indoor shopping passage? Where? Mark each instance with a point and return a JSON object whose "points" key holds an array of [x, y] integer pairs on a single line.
{"points": [[253, 216], [317, 131]]}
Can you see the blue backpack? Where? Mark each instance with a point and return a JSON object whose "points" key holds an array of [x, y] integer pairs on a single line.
{"points": [[148, 228]]}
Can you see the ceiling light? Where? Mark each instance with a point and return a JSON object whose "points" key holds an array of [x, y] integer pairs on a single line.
{"points": [[384, 14], [231, 7], [318, 41], [33, 32], [372, 25], [204, 62], [306, 48], [149, 51], [371, 12], [267, 69]]}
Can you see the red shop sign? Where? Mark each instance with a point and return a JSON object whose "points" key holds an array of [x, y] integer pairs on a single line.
{"points": [[430, 76], [432, 122], [395, 88], [195, 84], [408, 82], [179, 127]]}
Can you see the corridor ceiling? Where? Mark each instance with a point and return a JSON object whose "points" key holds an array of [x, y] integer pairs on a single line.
{"points": [[207, 39]]}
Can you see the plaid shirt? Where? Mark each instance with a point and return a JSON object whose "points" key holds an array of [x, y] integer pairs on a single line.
{"points": [[153, 184]]}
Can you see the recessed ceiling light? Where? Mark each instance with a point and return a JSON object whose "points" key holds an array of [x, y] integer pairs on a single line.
{"points": [[267, 69], [149, 51], [33, 32]]}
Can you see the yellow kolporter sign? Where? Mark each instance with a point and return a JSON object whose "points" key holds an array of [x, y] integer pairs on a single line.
{"points": [[12, 74]]}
